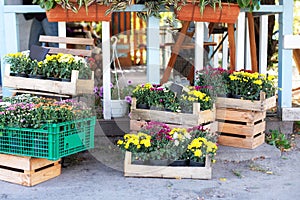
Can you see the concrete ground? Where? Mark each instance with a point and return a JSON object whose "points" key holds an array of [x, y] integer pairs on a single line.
{"points": [[263, 173]]}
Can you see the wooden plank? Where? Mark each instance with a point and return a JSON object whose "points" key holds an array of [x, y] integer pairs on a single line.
{"points": [[45, 174], [67, 40], [166, 171], [296, 56], [248, 143], [239, 115], [77, 52], [175, 52], [75, 87], [291, 41], [231, 42], [241, 130], [290, 114], [39, 93], [260, 105], [252, 42], [136, 125]]}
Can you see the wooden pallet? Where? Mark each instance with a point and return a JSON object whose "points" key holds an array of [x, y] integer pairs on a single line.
{"points": [[27, 171], [241, 128], [133, 170], [75, 87], [196, 118]]}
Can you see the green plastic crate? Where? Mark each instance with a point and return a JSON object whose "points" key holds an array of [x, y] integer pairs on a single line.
{"points": [[52, 142]]}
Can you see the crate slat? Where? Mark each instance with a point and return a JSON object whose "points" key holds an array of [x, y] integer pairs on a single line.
{"points": [[260, 105], [133, 170]]}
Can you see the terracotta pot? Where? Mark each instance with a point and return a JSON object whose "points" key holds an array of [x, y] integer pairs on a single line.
{"points": [[228, 14], [95, 13]]}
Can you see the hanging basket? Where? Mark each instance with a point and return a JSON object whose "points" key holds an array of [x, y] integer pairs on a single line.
{"points": [[227, 14], [95, 13]]}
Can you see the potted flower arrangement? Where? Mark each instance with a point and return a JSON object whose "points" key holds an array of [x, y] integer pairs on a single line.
{"points": [[215, 79], [247, 85], [43, 127], [120, 98], [158, 144], [193, 94], [25, 111], [71, 10], [20, 63]]}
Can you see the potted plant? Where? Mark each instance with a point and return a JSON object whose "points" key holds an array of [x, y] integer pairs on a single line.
{"points": [[248, 85], [193, 95], [20, 63], [72, 10], [199, 149], [215, 79], [138, 144], [120, 98], [142, 94]]}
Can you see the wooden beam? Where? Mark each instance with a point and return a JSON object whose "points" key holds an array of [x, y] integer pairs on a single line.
{"points": [[252, 42], [231, 42], [175, 52], [296, 56]]}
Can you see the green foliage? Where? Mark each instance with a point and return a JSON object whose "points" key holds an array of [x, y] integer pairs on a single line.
{"points": [[278, 139]]}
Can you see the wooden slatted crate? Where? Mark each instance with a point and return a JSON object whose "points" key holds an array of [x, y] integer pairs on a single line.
{"points": [[241, 123], [27, 171], [75, 87], [241, 128], [173, 118], [133, 170]]}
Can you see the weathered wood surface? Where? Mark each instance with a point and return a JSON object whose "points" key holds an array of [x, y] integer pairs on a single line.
{"points": [[27, 171], [75, 87], [134, 170]]}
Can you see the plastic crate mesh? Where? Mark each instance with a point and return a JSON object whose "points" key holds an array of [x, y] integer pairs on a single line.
{"points": [[52, 142]]}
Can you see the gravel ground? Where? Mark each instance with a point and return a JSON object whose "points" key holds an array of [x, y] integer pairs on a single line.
{"points": [[97, 175]]}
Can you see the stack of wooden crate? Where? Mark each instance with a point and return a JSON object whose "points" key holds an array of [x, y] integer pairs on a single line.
{"points": [[241, 123]]}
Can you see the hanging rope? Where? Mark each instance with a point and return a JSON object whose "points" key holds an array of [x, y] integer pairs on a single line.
{"points": [[116, 63]]}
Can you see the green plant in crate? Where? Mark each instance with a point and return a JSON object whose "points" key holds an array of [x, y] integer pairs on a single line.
{"points": [[278, 139]]}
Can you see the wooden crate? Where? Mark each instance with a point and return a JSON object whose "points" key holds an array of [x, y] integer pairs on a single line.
{"points": [[260, 105], [27, 171], [133, 170], [136, 125], [75, 87], [241, 128], [196, 118]]}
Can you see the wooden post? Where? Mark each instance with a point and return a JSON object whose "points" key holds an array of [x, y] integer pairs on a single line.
{"points": [[231, 41], [175, 52], [252, 42]]}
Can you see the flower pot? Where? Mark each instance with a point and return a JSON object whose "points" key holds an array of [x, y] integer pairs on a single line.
{"points": [[54, 79], [138, 162], [95, 13], [163, 162], [22, 75], [196, 164], [142, 106], [227, 14], [179, 163], [119, 108], [156, 108], [66, 80]]}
